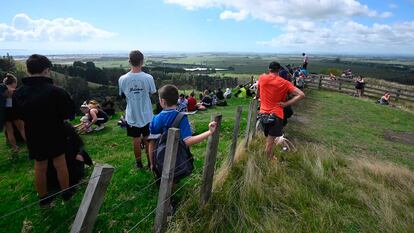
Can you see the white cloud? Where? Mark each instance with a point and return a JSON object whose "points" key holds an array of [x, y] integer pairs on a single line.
{"points": [[238, 16], [279, 11], [345, 36], [24, 28], [393, 6]]}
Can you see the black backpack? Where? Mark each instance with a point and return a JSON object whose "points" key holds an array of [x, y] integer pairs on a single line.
{"points": [[184, 161]]}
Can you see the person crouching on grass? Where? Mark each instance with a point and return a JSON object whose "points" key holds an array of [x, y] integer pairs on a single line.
{"points": [[36, 100], [168, 96], [95, 116], [272, 92]]}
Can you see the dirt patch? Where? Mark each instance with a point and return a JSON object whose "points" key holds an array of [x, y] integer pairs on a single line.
{"points": [[401, 137]]}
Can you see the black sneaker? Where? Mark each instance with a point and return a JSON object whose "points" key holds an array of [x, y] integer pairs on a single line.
{"points": [[46, 201], [138, 165], [68, 194]]}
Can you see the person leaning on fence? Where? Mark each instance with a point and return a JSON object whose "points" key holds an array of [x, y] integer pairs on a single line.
{"points": [[272, 92], [44, 107], [136, 86], [160, 124], [360, 86]]}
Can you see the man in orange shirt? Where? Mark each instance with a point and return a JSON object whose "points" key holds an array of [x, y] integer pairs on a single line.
{"points": [[272, 91]]}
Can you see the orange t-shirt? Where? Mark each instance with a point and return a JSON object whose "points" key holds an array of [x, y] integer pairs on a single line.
{"points": [[273, 90]]}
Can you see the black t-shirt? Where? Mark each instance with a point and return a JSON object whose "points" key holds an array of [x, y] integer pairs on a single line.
{"points": [[220, 95], [207, 101]]}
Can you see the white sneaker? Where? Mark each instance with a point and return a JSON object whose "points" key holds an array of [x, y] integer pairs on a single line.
{"points": [[99, 128]]}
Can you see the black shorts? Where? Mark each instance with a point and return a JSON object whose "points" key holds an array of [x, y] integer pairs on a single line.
{"points": [[10, 114], [137, 132], [274, 129]]}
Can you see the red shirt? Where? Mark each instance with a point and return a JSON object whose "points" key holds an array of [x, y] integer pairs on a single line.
{"points": [[273, 90], [191, 104]]}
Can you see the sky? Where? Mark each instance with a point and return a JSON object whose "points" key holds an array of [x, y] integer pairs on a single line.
{"points": [[247, 26]]}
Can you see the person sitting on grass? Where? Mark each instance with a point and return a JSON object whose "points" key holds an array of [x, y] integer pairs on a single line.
{"points": [[192, 103], [385, 99], [182, 103], [227, 94], [168, 95], [76, 158], [206, 101], [241, 93], [95, 115], [108, 106]]}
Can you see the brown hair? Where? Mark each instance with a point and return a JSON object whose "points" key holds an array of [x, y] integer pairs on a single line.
{"points": [[170, 94], [136, 58], [9, 79], [36, 64]]}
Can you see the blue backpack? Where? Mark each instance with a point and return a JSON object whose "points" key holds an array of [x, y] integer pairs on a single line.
{"points": [[184, 162]]}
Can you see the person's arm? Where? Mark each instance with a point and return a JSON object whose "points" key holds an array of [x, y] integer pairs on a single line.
{"points": [[201, 137], [297, 95], [94, 117], [151, 148]]}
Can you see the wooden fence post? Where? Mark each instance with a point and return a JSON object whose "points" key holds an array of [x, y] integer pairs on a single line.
{"points": [[339, 85], [167, 177], [320, 82], [254, 116], [249, 120], [92, 199], [235, 134], [210, 162]]}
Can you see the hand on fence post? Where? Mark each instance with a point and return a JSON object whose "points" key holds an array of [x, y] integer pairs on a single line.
{"points": [[210, 162]]}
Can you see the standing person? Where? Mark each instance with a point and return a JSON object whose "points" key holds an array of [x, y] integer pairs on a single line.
{"points": [[272, 92], [305, 61], [38, 99], [136, 86], [10, 118], [359, 86]]}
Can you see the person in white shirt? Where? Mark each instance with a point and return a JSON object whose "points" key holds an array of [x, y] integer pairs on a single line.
{"points": [[305, 61], [136, 87]]}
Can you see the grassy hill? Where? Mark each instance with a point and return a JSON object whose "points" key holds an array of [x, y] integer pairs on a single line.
{"points": [[353, 172]]}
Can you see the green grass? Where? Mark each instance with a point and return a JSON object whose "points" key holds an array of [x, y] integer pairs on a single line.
{"points": [[110, 146], [346, 177]]}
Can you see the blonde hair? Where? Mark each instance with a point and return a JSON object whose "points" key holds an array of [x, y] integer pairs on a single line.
{"points": [[94, 104]]}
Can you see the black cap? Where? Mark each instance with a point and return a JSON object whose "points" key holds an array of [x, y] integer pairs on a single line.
{"points": [[274, 66]]}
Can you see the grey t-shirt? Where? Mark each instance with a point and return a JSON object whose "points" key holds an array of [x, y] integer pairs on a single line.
{"points": [[137, 88]]}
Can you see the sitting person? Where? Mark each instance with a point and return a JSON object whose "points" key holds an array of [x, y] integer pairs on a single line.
{"points": [[160, 124], [76, 158], [95, 115], [83, 127], [206, 101], [227, 94], [220, 100], [385, 99], [108, 106], [241, 93], [182, 104], [192, 103]]}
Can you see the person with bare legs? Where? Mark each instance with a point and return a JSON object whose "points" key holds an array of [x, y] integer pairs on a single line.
{"points": [[272, 92], [36, 100], [136, 87], [11, 120]]}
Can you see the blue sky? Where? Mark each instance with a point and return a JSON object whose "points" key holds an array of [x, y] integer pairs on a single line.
{"points": [[274, 26]]}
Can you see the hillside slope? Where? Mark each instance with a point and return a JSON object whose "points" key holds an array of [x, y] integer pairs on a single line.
{"points": [[347, 176]]}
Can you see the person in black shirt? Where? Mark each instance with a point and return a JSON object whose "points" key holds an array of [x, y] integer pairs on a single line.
{"points": [[220, 94], [44, 107], [108, 106]]}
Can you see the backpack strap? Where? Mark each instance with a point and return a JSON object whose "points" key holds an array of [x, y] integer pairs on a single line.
{"points": [[177, 120]]}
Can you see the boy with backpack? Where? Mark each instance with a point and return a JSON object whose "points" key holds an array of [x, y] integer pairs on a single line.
{"points": [[170, 117]]}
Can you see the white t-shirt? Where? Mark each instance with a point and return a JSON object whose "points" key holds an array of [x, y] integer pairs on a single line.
{"points": [[137, 88], [306, 59]]}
